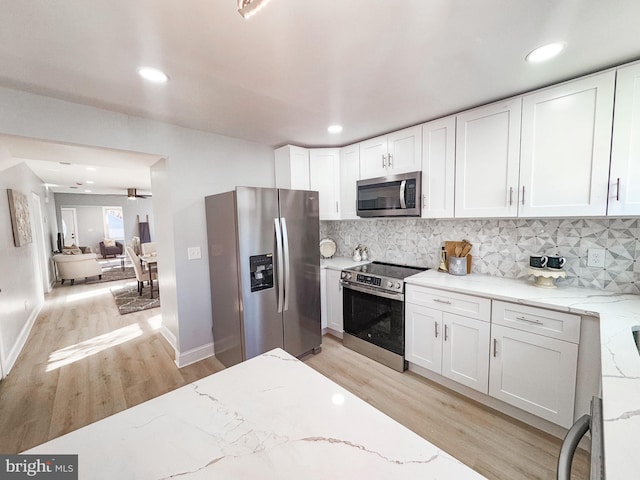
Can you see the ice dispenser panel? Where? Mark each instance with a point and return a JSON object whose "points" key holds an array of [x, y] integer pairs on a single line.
{"points": [[261, 271]]}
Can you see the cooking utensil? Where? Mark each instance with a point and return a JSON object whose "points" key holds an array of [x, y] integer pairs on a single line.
{"points": [[458, 251], [466, 249]]}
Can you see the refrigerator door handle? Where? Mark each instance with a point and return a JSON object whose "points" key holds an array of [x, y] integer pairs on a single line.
{"points": [[279, 256], [287, 264]]}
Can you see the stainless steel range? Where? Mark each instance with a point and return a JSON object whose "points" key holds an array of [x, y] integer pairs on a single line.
{"points": [[373, 309]]}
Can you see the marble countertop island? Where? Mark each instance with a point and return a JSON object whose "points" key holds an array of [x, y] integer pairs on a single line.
{"points": [[620, 360], [271, 417]]}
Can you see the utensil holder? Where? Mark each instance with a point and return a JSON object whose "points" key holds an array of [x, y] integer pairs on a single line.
{"points": [[458, 265]]}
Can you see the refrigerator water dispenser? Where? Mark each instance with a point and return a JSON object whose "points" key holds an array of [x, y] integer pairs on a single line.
{"points": [[261, 267]]}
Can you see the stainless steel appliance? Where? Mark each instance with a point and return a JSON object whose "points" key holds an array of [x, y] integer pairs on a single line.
{"points": [[264, 267], [373, 311], [585, 423], [392, 196]]}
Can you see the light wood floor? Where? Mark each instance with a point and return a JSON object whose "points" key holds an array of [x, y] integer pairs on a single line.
{"points": [[83, 362]]}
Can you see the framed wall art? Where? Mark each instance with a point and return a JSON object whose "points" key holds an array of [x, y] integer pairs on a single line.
{"points": [[20, 222]]}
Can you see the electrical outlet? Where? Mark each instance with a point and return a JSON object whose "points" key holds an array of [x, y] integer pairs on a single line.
{"points": [[193, 253], [347, 239], [596, 257]]}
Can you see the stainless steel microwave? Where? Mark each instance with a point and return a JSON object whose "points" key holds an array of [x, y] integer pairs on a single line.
{"points": [[391, 196]]}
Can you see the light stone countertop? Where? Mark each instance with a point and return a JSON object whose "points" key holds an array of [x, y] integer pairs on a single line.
{"points": [[620, 360], [271, 417], [340, 263]]}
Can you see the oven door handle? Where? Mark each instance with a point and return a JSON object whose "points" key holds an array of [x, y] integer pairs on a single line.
{"points": [[372, 291]]}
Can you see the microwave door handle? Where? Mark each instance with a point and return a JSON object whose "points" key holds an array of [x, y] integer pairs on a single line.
{"points": [[403, 186]]}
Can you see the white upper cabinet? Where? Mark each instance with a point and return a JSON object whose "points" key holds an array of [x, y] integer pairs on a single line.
{"points": [[487, 157], [438, 167], [565, 146], [397, 152], [292, 167], [624, 190], [324, 174], [349, 175]]}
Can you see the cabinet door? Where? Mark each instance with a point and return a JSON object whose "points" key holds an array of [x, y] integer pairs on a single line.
{"points": [[624, 195], [534, 373], [292, 167], [324, 175], [423, 337], [324, 306], [334, 301], [566, 141], [465, 351], [405, 150], [438, 167], [487, 160], [349, 175], [373, 157]]}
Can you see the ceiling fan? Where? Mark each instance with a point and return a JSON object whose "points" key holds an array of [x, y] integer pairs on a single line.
{"points": [[132, 194]]}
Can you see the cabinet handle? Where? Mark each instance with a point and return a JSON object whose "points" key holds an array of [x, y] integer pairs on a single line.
{"points": [[337, 210], [384, 160], [528, 320], [618, 190], [424, 201], [435, 324], [390, 160], [510, 195], [495, 346], [445, 332], [523, 194], [442, 301]]}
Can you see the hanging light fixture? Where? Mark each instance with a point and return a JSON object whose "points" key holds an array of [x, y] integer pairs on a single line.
{"points": [[248, 8]]}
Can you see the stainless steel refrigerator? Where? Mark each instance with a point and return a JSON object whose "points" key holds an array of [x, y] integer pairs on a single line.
{"points": [[264, 267]]}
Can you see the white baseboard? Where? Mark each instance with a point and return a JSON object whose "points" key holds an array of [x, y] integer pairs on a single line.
{"points": [[9, 362], [169, 337], [195, 355]]}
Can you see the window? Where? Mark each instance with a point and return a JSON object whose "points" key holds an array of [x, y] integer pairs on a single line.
{"points": [[113, 223]]}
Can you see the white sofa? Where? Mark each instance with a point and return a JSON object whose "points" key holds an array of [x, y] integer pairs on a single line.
{"points": [[82, 265]]}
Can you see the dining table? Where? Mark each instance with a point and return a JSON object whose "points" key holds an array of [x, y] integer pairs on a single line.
{"points": [[151, 262]]}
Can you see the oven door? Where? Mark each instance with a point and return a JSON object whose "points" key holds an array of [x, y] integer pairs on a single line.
{"points": [[374, 316]]}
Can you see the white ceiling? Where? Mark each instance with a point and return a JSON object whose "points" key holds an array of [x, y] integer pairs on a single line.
{"points": [[285, 74]]}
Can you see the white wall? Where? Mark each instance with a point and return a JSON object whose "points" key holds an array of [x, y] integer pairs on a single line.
{"points": [[197, 164], [21, 295]]}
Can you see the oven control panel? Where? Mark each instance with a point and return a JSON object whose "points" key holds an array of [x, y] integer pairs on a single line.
{"points": [[375, 281], [369, 280]]}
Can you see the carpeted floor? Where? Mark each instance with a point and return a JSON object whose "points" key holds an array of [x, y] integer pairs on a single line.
{"points": [[129, 300], [113, 274]]}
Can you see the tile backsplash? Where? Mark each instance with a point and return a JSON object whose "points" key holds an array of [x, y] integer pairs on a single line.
{"points": [[502, 247]]}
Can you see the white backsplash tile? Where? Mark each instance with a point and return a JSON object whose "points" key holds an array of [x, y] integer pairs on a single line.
{"points": [[502, 247]]}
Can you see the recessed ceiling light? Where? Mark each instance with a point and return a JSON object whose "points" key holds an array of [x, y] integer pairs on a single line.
{"points": [[334, 129], [87, 191], [91, 169], [90, 182], [153, 75], [544, 52]]}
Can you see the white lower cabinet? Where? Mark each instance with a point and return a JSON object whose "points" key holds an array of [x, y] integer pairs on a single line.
{"points": [[524, 356], [451, 345], [534, 373], [534, 360], [334, 300]]}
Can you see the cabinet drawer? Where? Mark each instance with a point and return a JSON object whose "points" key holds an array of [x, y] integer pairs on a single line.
{"points": [[563, 326], [466, 305]]}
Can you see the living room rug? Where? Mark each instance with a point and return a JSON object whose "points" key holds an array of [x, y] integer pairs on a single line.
{"points": [[112, 274], [128, 300]]}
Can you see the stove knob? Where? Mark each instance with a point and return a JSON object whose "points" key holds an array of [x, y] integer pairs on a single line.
{"points": [[346, 275], [398, 285], [389, 284]]}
